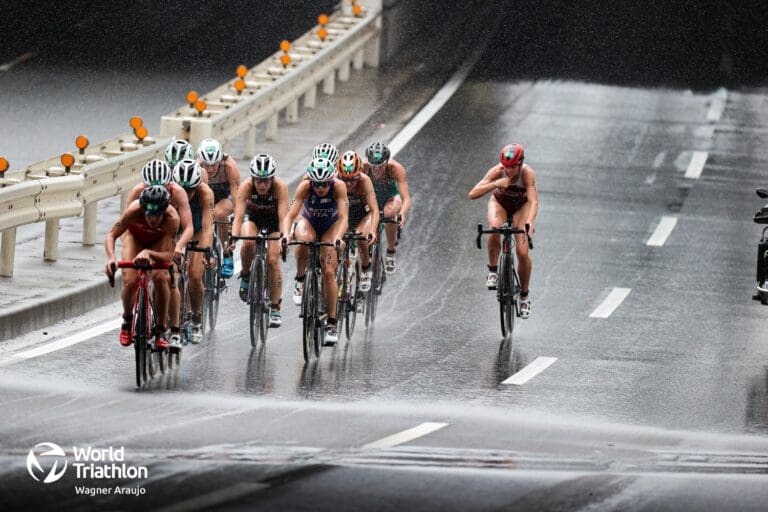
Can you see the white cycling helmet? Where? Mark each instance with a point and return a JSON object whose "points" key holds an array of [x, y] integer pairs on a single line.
{"points": [[326, 150], [209, 152], [178, 150], [156, 172], [320, 169], [263, 166], [188, 174]]}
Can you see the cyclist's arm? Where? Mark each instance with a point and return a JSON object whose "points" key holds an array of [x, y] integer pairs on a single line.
{"points": [[233, 175], [181, 204], [370, 198], [342, 206], [118, 229], [486, 184], [135, 193], [206, 200], [294, 207], [281, 193], [398, 171], [242, 197], [529, 178]]}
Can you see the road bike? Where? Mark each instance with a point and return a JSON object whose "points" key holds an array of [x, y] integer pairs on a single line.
{"points": [[508, 286], [185, 305], [761, 217], [258, 285], [378, 276], [143, 318], [313, 313], [348, 279]]}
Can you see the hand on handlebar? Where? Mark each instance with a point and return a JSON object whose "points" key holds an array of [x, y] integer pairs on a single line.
{"points": [[142, 258]]}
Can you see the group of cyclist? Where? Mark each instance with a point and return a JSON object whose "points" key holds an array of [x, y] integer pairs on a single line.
{"points": [[180, 199]]}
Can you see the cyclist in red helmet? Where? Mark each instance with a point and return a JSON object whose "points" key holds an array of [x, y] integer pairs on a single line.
{"points": [[512, 184]]}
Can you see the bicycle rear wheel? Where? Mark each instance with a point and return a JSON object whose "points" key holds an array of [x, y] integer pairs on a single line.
{"points": [[352, 298], [308, 317]]}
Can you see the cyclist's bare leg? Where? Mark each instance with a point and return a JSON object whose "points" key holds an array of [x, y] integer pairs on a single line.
{"points": [[274, 271], [306, 233], [174, 299], [391, 209], [330, 262], [364, 228], [221, 213], [248, 249], [161, 279], [496, 216], [195, 271], [524, 263], [129, 251]]}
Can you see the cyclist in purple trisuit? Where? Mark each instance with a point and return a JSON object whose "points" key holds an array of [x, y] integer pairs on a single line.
{"points": [[363, 209], [514, 196], [390, 184], [189, 175], [322, 202], [148, 227], [220, 172], [261, 202]]}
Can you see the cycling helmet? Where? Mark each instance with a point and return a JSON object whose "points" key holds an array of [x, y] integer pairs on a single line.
{"points": [[350, 165], [154, 200], [178, 150], [188, 174], [326, 150], [263, 166], [377, 153], [209, 152], [511, 154], [320, 169], [156, 172]]}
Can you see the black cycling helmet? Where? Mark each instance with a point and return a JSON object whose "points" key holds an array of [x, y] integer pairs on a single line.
{"points": [[154, 200], [377, 153]]}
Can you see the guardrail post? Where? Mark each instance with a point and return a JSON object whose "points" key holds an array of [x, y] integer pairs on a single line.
{"points": [[344, 72], [372, 51], [329, 84], [250, 142], [310, 97], [89, 223], [359, 59], [292, 112], [272, 126], [7, 252], [51, 248], [199, 129]]}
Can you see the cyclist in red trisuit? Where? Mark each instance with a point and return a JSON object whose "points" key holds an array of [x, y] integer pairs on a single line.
{"points": [[514, 196]]}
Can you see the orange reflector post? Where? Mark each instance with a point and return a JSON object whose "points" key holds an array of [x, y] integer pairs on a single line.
{"points": [[285, 45], [322, 19], [136, 122], [140, 132], [67, 160], [285, 59], [191, 97], [322, 33], [3, 165], [239, 85], [242, 71], [357, 10], [200, 106], [81, 142]]}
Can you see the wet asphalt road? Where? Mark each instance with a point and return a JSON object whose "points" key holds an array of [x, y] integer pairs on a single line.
{"points": [[686, 350]]}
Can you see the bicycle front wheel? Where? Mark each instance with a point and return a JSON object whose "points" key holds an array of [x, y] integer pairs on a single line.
{"points": [[308, 317], [341, 298], [319, 332], [140, 329], [352, 298], [214, 280], [503, 293], [264, 300]]}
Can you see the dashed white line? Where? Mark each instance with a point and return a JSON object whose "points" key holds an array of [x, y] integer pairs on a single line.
{"points": [[717, 105], [69, 340], [611, 302], [698, 159], [662, 231], [406, 435], [536, 367], [659, 159]]}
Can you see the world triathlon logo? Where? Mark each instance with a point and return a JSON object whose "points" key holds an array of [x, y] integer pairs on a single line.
{"points": [[44, 460]]}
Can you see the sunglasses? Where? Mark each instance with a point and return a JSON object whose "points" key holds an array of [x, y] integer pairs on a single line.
{"points": [[262, 181], [321, 184], [350, 178]]}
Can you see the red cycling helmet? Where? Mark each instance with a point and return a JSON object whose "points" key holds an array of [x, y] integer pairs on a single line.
{"points": [[512, 154]]}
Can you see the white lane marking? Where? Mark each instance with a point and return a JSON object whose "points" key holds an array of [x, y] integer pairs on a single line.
{"points": [[717, 105], [69, 340], [659, 159], [435, 104], [611, 302], [698, 159], [215, 498], [536, 367], [662, 231], [650, 179], [406, 435]]}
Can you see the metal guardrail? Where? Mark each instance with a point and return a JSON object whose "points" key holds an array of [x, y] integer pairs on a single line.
{"points": [[55, 188]]}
